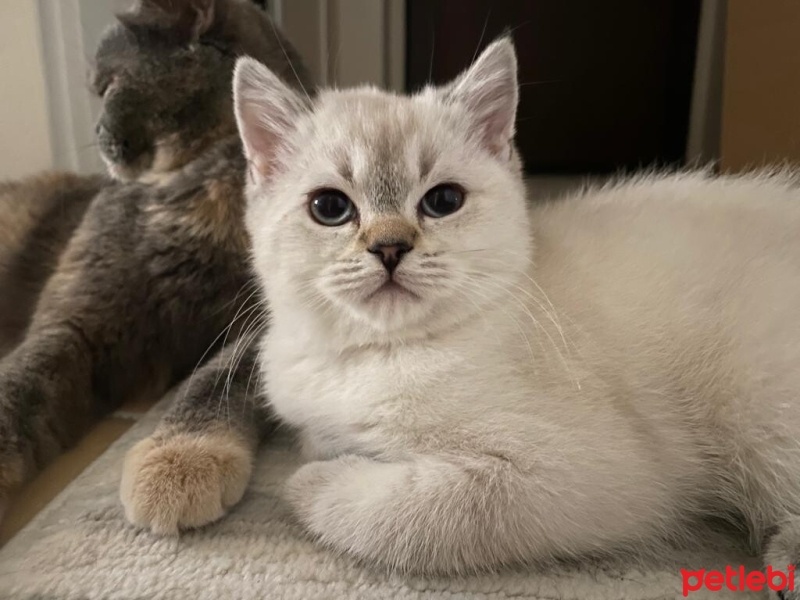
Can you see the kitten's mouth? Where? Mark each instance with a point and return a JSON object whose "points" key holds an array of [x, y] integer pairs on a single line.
{"points": [[391, 289]]}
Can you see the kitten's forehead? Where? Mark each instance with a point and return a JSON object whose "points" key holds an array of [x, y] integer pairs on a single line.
{"points": [[381, 142]]}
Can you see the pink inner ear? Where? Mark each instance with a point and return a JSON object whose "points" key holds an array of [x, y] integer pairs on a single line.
{"points": [[497, 120], [261, 145], [488, 89], [266, 112], [494, 106]]}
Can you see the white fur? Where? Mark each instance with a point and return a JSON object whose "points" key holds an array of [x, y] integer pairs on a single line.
{"points": [[580, 377]]}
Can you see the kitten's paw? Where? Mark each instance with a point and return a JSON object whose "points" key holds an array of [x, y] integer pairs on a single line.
{"points": [[782, 554], [343, 502], [184, 480], [327, 495], [305, 489]]}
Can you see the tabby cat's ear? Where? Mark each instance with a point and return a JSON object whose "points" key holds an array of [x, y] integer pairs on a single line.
{"points": [[266, 112], [488, 90], [187, 19]]}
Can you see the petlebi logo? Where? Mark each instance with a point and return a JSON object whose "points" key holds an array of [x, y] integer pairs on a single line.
{"points": [[738, 579]]}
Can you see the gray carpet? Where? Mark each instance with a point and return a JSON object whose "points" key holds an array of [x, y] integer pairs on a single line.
{"points": [[81, 547]]}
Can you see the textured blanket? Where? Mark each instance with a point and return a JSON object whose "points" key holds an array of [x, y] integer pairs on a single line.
{"points": [[81, 547]]}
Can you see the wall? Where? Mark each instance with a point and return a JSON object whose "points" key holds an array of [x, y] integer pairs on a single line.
{"points": [[761, 102], [71, 30], [25, 145], [348, 42]]}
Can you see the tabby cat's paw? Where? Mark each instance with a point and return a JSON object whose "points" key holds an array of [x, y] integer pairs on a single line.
{"points": [[184, 480], [12, 474]]}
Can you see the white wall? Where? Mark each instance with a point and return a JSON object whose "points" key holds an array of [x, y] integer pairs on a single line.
{"points": [[25, 143], [348, 42], [71, 30]]}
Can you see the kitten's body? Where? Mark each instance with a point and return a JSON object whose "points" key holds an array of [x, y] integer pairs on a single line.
{"points": [[610, 415], [492, 384]]}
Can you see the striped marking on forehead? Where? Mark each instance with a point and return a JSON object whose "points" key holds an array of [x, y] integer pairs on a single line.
{"points": [[379, 170], [382, 155]]}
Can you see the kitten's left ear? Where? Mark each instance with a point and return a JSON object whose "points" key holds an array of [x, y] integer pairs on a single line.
{"points": [[488, 89], [267, 110]]}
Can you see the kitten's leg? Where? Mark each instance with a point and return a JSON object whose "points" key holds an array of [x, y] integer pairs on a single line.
{"points": [[198, 462], [782, 552], [436, 515]]}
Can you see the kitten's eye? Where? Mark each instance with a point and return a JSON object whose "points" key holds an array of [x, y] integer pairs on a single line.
{"points": [[442, 200], [331, 208]]}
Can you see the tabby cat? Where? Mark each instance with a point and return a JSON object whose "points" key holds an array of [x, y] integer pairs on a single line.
{"points": [[113, 290]]}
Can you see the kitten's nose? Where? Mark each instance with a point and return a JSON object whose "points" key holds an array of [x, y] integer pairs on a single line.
{"points": [[390, 252]]}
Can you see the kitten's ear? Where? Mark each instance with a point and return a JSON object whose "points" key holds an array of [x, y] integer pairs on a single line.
{"points": [[188, 19], [266, 112], [488, 89]]}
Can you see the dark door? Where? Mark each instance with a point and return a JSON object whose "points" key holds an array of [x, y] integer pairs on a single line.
{"points": [[606, 84]]}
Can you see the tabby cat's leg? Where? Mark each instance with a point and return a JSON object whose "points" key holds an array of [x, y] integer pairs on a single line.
{"points": [[45, 402], [197, 463], [38, 216]]}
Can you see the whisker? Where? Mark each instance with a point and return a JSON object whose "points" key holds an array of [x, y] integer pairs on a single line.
{"points": [[483, 33], [232, 362], [288, 60], [539, 326], [225, 331], [476, 289]]}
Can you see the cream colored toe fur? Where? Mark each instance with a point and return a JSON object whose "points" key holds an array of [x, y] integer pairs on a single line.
{"points": [[184, 480]]}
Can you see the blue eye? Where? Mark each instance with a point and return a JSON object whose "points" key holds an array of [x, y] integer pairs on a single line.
{"points": [[441, 201], [331, 208]]}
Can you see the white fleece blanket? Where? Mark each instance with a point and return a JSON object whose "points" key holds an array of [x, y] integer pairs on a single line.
{"points": [[81, 547]]}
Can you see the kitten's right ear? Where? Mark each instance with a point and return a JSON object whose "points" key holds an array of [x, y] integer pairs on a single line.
{"points": [[266, 112], [488, 89]]}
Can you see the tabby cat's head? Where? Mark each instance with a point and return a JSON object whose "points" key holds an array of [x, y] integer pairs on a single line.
{"points": [[163, 73], [394, 214]]}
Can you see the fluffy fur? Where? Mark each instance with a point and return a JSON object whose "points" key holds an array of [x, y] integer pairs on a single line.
{"points": [[575, 378], [212, 469]]}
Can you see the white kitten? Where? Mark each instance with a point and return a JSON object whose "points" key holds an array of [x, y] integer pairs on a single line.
{"points": [[482, 383]]}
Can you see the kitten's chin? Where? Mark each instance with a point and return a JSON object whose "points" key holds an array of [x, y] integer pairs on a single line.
{"points": [[391, 292], [388, 309]]}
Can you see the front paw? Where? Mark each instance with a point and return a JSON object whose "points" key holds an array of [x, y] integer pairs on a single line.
{"points": [[185, 480], [306, 490], [344, 502], [12, 475]]}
